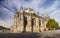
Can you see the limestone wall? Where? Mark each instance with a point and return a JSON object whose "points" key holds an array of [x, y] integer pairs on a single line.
{"points": [[28, 26], [19, 22]]}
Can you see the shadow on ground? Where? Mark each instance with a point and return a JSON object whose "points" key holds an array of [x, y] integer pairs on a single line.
{"points": [[20, 35]]}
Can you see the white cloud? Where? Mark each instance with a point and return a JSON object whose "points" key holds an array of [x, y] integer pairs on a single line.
{"points": [[56, 15], [7, 23], [52, 10]]}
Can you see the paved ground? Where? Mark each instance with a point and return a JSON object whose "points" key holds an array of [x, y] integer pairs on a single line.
{"points": [[54, 33], [46, 34], [20, 35]]}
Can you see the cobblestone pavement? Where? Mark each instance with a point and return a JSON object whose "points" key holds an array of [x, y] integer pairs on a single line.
{"points": [[45, 34]]}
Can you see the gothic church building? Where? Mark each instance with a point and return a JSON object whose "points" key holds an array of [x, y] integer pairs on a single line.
{"points": [[27, 20]]}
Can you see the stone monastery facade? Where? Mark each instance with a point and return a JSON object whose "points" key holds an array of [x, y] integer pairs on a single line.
{"points": [[27, 20]]}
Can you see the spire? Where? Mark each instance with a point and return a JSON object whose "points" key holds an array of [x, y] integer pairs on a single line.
{"points": [[38, 13], [21, 9], [21, 6], [45, 15]]}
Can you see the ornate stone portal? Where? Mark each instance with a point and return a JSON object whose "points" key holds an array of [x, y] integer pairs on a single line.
{"points": [[28, 21]]}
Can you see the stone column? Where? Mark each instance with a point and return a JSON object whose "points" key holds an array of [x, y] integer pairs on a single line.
{"points": [[36, 26], [28, 26], [21, 23], [42, 26], [15, 24]]}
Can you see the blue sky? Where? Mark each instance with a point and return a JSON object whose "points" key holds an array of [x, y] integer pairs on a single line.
{"points": [[9, 7]]}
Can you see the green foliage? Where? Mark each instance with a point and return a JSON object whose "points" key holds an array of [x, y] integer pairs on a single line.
{"points": [[58, 27], [1, 28], [52, 24]]}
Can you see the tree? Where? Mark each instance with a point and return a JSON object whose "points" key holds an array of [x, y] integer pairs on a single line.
{"points": [[52, 24], [5, 28]]}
